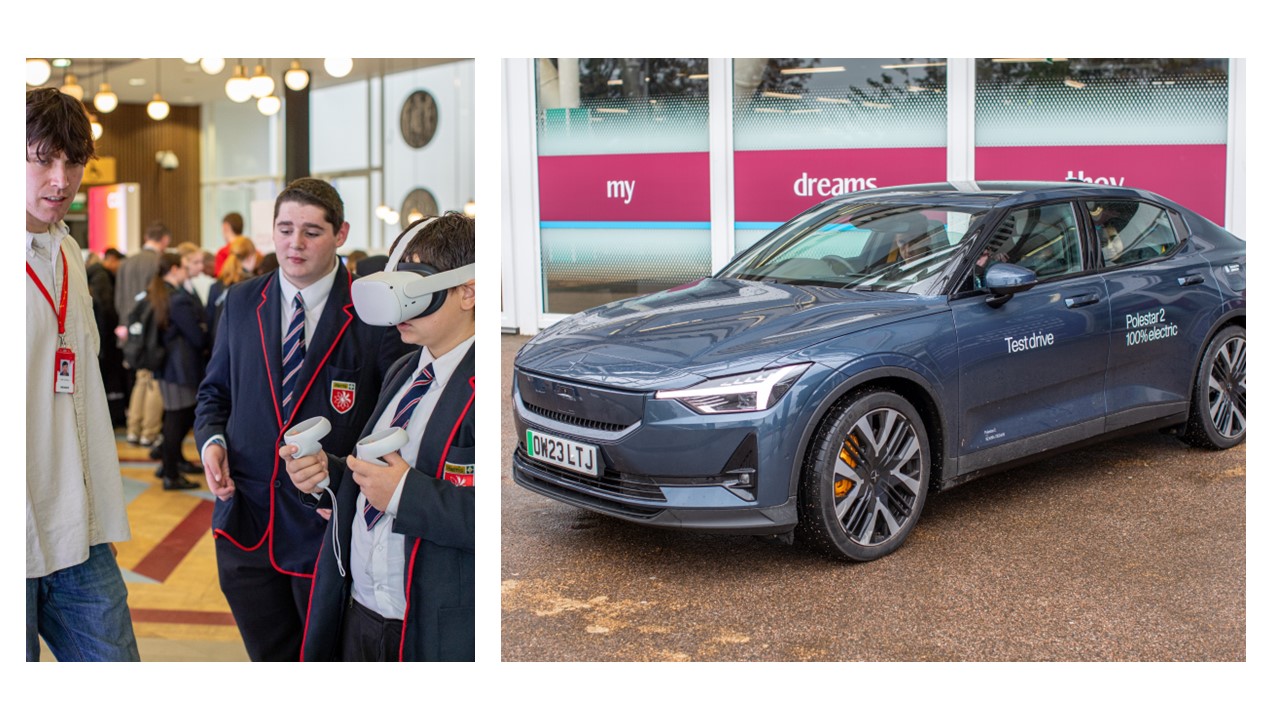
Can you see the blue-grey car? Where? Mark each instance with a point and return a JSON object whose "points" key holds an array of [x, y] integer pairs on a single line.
{"points": [[883, 345]]}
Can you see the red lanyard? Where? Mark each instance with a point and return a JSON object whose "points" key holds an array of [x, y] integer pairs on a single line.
{"points": [[61, 310]]}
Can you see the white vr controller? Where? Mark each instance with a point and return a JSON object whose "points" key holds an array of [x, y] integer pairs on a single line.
{"points": [[383, 442], [394, 296], [306, 436]]}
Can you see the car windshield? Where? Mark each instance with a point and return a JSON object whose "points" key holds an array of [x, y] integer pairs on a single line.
{"points": [[868, 246]]}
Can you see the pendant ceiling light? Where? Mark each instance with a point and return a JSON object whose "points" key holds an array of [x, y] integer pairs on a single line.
{"points": [[238, 88], [71, 87], [338, 67], [95, 127], [105, 100], [296, 78], [157, 109], [212, 66], [261, 84], [38, 71], [269, 105]]}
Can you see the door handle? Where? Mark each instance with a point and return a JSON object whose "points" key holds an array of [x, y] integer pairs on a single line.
{"points": [[1082, 300], [1192, 279]]}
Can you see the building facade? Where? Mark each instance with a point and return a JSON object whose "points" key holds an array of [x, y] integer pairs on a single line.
{"points": [[624, 176]]}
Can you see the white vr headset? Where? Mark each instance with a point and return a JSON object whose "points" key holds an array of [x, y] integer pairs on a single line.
{"points": [[404, 291]]}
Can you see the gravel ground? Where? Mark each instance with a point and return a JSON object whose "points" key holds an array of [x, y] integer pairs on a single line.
{"points": [[1129, 550]]}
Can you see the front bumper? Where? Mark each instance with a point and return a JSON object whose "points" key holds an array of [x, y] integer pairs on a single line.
{"points": [[662, 464]]}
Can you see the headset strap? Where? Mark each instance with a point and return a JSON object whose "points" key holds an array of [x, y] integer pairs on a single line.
{"points": [[398, 251], [441, 281]]}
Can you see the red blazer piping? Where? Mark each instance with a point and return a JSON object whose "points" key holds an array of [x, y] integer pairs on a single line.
{"points": [[413, 556], [282, 426], [311, 594]]}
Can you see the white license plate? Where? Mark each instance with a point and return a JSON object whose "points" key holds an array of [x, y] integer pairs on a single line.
{"points": [[578, 457]]}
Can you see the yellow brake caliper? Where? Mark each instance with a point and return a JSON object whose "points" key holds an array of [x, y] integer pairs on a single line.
{"points": [[847, 454]]}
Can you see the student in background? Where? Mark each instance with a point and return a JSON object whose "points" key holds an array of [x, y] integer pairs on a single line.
{"points": [[145, 406], [180, 320], [243, 259]]}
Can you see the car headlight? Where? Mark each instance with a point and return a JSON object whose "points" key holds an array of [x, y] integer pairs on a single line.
{"points": [[748, 392]]}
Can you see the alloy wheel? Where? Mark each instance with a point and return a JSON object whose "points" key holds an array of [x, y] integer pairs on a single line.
{"points": [[877, 477], [1227, 389]]}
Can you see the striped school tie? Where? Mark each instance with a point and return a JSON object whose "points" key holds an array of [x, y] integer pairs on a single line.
{"points": [[295, 346], [404, 411]]}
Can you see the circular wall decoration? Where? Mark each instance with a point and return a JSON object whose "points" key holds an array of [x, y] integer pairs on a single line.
{"points": [[419, 203], [419, 118]]}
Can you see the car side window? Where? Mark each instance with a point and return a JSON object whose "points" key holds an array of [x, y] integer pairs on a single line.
{"points": [[1042, 238], [1130, 231]]}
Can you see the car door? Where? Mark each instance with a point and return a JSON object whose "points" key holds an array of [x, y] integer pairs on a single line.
{"points": [[1163, 299], [1032, 370]]}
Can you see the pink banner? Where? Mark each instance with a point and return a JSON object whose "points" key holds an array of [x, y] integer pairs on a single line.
{"points": [[661, 187], [776, 185], [105, 213], [1193, 175]]}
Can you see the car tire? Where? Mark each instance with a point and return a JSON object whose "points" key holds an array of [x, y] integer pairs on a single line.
{"points": [[1217, 419], [866, 477]]}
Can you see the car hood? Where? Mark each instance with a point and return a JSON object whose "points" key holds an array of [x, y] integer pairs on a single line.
{"points": [[708, 328]]}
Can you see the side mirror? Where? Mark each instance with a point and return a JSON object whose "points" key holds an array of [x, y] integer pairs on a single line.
{"points": [[1003, 280]]}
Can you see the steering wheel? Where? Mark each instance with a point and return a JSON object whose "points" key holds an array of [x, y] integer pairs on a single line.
{"points": [[839, 264]]}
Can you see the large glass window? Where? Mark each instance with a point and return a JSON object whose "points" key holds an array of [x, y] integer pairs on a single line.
{"points": [[623, 177], [1159, 124], [806, 129], [340, 126]]}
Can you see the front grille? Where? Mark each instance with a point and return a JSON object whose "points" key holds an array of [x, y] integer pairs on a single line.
{"points": [[574, 420], [580, 405]]}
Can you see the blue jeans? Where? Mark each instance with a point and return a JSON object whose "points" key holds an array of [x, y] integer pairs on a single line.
{"points": [[81, 612]]}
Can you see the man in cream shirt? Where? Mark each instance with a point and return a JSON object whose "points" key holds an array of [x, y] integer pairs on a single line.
{"points": [[76, 598]]}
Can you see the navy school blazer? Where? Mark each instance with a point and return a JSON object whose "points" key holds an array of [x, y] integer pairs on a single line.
{"points": [[437, 518], [240, 399], [185, 340]]}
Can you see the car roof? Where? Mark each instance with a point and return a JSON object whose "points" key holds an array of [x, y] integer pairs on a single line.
{"points": [[990, 194]]}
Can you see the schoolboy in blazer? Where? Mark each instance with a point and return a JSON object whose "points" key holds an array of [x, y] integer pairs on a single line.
{"points": [[266, 539], [420, 603]]}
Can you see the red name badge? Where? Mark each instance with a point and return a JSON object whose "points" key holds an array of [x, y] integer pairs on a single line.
{"points": [[64, 371]]}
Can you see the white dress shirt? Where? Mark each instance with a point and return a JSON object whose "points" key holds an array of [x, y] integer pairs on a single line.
{"points": [[314, 298], [377, 556]]}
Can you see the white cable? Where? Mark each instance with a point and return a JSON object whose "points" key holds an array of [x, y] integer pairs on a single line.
{"points": [[333, 526]]}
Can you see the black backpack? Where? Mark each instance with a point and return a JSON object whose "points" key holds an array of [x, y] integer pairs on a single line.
{"points": [[143, 349]]}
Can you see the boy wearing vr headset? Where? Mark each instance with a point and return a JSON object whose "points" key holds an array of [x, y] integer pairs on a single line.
{"points": [[395, 578], [289, 348]]}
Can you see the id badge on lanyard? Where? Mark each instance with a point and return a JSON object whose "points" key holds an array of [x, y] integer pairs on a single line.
{"points": [[64, 378], [64, 358]]}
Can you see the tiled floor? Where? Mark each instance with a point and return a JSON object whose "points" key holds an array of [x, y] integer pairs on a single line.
{"points": [[179, 613]]}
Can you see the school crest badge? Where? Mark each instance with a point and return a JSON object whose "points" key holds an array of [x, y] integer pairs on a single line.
{"points": [[342, 396], [460, 475]]}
